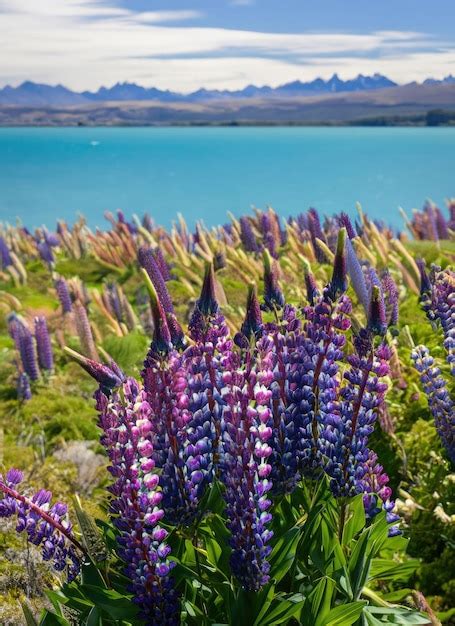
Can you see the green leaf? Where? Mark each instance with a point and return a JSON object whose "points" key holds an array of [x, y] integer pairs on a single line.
{"points": [[51, 619], [265, 605], [395, 615], [388, 569], [111, 602], [356, 519], [283, 611], [283, 554], [28, 615], [91, 536], [344, 614]]}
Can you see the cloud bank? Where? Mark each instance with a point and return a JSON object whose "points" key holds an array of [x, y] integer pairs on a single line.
{"points": [[87, 43]]}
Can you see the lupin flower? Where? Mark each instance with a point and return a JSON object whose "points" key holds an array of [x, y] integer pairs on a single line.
{"points": [[349, 426], [377, 322], [390, 291], [45, 252], [182, 426], [440, 403], [244, 471], [43, 344], [5, 255], [252, 325], [339, 283], [24, 391], [375, 484], [273, 296], [149, 264], [126, 419], [63, 294], [108, 377], [162, 264], [84, 331], [316, 232], [312, 290], [27, 350], [46, 525], [357, 276], [247, 236]]}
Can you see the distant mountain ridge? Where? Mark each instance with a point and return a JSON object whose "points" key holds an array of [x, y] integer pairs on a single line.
{"points": [[36, 94]]}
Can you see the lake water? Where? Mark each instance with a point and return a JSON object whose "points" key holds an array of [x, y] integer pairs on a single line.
{"points": [[50, 173]]}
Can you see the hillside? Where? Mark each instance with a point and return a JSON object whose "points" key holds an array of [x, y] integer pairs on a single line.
{"points": [[407, 104]]}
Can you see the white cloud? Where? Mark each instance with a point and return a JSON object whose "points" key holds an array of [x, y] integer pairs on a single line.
{"points": [[84, 44]]}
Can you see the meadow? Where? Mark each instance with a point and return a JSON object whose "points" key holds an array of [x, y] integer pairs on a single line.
{"points": [[248, 424]]}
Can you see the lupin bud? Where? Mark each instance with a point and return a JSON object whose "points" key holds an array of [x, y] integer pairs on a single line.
{"points": [[312, 291], [273, 296], [152, 271], [107, 378], [252, 324], [339, 283], [161, 341], [425, 283], [377, 322], [207, 302]]}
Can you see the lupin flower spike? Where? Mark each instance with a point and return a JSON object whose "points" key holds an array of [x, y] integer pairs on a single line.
{"points": [[339, 283], [273, 296], [252, 324], [377, 322], [207, 302], [312, 290], [161, 342], [108, 378], [43, 344], [46, 526], [151, 270]]}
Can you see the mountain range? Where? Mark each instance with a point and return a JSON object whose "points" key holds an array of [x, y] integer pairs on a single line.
{"points": [[35, 94]]}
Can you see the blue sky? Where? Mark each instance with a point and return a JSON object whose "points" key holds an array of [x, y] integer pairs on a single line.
{"points": [[187, 44]]}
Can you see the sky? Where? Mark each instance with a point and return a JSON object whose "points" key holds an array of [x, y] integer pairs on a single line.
{"points": [[183, 45]]}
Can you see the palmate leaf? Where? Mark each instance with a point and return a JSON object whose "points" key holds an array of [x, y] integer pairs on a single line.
{"points": [[355, 519], [344, 614], [375, 615], [318, 603], [387, 569]]}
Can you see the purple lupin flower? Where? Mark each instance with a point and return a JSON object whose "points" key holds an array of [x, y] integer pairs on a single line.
{"points": [[339, 282], [61, 287], [183, 427], [375, 484], [149, 264], [247, 236], [84, 331], [377, 322], [162, 263], [440, 403], [108, 377], [390, 291], [244, 471], [252, 325], [314, 226], [357, 276], [206, 361], [443, 309], [344, 220], [43, 344], [273, 296], [325, 325], [347, 430], [27, 351], [46, 525], [45, 252], [126, 420], [5, 255], [24, 391]]}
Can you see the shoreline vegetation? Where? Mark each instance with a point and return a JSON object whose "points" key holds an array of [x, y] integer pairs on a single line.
{"points": [[12, 116], [344, 449]]}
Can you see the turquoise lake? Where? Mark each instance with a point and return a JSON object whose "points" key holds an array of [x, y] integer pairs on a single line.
{"points": [[50, 173]]}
